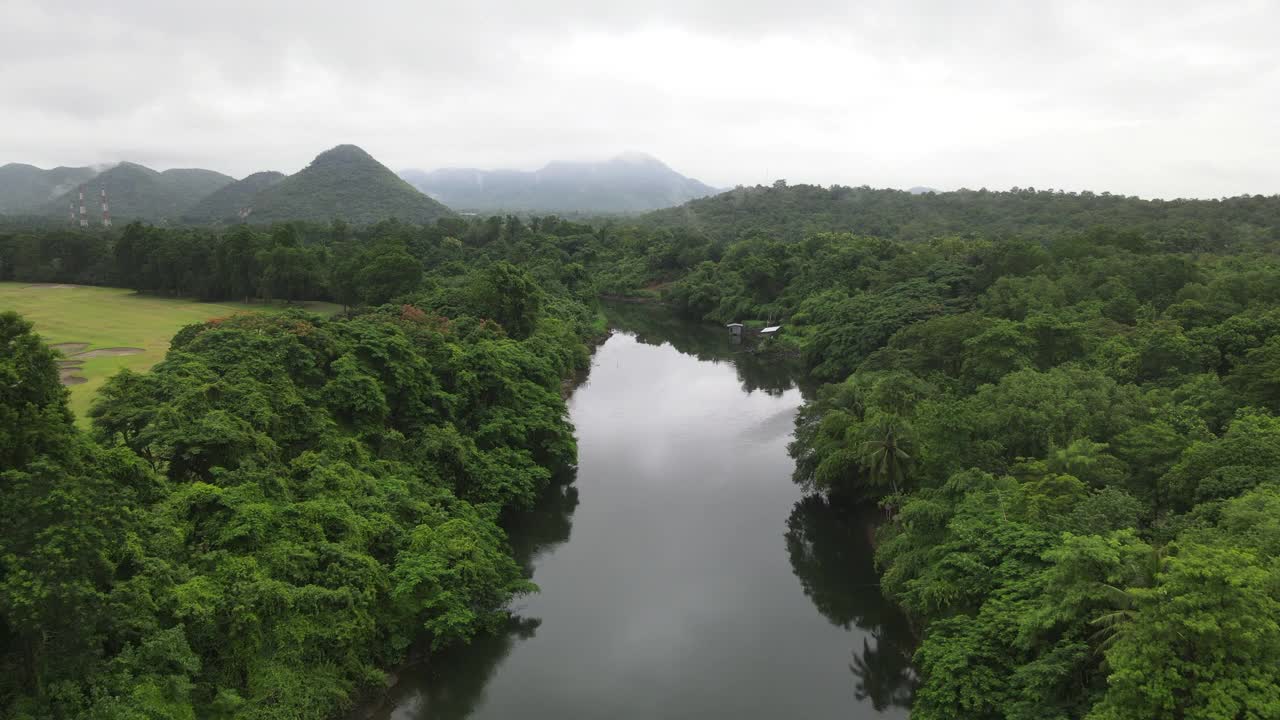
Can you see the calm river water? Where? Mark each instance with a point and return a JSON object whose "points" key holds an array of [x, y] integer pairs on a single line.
{"points": [[683, 574]]}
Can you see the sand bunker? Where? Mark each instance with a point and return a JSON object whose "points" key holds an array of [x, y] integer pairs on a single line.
{"points": [[70, 348], [107, 352], [75, 351], [48, 286], [70, 367]]}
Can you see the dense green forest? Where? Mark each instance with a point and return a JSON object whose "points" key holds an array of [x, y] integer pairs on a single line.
{"points": [[1072, 431], [292, 261], [275, 513], [1078, 452], [798, 211], [1065, 406], [1074, 438]]}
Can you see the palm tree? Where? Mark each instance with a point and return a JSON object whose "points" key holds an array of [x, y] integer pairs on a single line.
{"points": [[1124, 601], [884, 455]]}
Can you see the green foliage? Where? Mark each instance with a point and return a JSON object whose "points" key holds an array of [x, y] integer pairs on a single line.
{"points": [[509, 296], [387, 273], [456, 574], [1077, 450], [1203, 642], [272, 514], [851, 328], [1257, 375], [34, 419], [1245, 456]]}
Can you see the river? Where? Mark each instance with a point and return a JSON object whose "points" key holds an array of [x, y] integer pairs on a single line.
{"points": [[682, 573]]}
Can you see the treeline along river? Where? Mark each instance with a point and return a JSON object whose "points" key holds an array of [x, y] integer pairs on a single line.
{"points": [[682, 573]]}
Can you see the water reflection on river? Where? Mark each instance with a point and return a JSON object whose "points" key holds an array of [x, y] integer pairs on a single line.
{"points": [[669, 566]]}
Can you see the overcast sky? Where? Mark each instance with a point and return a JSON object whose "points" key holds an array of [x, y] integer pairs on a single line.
{"points": [[1159, 99]]}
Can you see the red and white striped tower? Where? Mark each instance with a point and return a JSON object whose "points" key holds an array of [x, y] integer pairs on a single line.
{"points": [[84, 219], [106, 214]]}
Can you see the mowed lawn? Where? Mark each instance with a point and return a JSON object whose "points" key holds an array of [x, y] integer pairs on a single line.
{"points": [[116, 318]]}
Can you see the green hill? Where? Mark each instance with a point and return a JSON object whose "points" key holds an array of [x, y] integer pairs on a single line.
{"points": [[195, 183], [345, 183], [140, 193], [28, 189], [231, 202], [791, 212]]}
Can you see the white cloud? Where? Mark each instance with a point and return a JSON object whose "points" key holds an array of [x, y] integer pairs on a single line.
{"points": [[1157, 99]]}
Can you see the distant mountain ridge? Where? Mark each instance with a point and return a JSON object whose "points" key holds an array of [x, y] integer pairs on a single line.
{"points": [[344, 182], [27, 188], [135, 192], [631, 182]]}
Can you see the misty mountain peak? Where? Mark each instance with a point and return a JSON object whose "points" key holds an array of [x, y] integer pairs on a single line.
{"points": [[635, 157], [343, 154], [629, 182]]}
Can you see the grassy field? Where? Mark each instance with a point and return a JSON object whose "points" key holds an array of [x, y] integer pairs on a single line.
{"points": [[115, 318]]}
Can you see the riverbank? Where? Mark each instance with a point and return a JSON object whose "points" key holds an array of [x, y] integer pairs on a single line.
{"points": [[679, 569]]}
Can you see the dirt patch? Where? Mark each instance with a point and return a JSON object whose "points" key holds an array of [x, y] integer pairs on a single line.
{"points": [[108, 352], [69, 363], [48, 286], [69, 377], [70, 348]]}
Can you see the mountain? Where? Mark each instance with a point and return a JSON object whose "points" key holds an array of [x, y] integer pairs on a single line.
{"points": [[234, 201], [632, 182], [26, 188], [140, 193], [344, 182], [194, 183]]}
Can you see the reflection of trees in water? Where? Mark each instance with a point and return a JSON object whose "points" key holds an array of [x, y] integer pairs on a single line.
{"points": [[453, 684], [883, 674], [829, 543], [657, 325], [771, 374], [450, 684], [547, 524]]}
